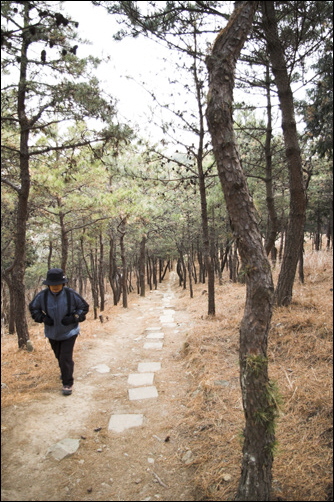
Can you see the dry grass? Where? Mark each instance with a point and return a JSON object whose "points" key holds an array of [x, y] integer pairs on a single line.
{"points": [[300, 362]]}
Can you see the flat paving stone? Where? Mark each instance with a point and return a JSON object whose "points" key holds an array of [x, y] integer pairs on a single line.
{"points": [[142, 393], [119, 423], [148, 367], [64, 448], [169, 324], [102, 368], [141, 379], [166, 318], [155, 328], [153, 345], [155, 335]]}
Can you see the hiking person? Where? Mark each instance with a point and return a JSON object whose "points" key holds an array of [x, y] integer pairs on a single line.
{"points": [[60, 309]]}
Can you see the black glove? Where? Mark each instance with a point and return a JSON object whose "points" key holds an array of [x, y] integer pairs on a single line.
{"points": [[69, 319], [39, 317], [47, 320]]}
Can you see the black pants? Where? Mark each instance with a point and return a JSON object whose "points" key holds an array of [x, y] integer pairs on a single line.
{"points": [[63, 351]]}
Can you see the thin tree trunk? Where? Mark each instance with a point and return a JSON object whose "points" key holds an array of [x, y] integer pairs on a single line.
{"points": [[295, 230], [272, 227], [256, 474], [142, 255], [64, 238], [121, 230], [101, 274], [18, 267]]}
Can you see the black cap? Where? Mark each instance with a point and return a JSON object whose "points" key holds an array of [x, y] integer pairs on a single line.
{"points": [[55, 276]]}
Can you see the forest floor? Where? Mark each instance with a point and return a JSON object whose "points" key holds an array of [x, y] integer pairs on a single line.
{"points": [[188, 445]]}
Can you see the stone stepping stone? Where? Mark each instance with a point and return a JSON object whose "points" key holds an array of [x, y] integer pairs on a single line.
{"points": [[64, 448], [170, 324], [148, 367], [155, 335], [139, 379], [153, 345], [155, 328], [119, 423], [142, 393], [166, 318], [101, 368]]}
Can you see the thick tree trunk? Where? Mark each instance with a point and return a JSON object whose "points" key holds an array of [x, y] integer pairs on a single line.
{"points": [[256, 477], [295, 230]]}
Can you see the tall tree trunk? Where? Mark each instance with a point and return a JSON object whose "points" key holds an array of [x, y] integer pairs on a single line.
{"points": [[11, 309], [204, 206], [50, 255], [256, 474], [272, 227], [113, 272], [91, 272], [142, 254], [101, 274], [64, 237], [295, 230], [121, 230], [18, 268]]}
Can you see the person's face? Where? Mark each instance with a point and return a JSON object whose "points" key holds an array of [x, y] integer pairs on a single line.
{"points": [[56, 288]]}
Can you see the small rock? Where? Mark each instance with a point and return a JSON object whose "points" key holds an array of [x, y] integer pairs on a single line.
{"points": [[227, 477], [222, 383], [188, 457], [30, 347]]}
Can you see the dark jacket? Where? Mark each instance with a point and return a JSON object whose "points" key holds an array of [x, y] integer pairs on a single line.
{"points": [[56, 306]]}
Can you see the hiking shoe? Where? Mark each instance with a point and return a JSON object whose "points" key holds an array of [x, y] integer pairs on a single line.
{"points": [[67, 390]]}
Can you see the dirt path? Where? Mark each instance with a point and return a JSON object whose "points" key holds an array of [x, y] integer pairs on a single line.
{"points": [[145, 462]]}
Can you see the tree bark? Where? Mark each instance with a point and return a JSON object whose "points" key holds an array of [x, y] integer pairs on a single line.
{"points": [[256, 476], [101, 274], [121, 230], [113, 274], [272, 227], [142, 255], [295, 230], [204, 206], [18, 269]]}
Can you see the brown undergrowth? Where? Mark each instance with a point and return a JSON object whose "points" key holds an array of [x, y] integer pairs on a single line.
{"points": [[300, 363]]}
